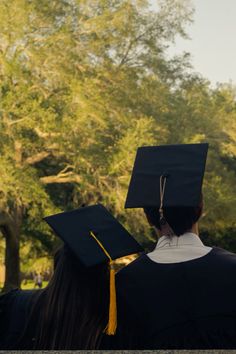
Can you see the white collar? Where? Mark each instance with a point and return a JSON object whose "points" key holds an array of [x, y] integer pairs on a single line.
{"points": [[187, 239], [177, 249]]}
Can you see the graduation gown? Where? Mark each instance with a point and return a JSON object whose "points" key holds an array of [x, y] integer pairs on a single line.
{"points": [[185, 305], [15, 307]]}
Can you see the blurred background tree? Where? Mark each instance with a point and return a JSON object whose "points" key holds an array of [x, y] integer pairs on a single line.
{"points": [[83, 84]]}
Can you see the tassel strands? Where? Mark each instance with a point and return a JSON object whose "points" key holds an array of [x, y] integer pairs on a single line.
{"points": [[165, 227], [112, 321]]}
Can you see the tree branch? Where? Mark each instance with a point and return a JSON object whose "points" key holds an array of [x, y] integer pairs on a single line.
{"points": [[37, 157], [17, 121], [132, 42], [68, 177], [45, 135], [122, 62], [65, 170]]}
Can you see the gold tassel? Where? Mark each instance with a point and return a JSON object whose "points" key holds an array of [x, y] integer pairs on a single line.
{"points": [[112, 320]]}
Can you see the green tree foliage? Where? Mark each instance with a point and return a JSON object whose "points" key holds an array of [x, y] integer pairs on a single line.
{"points": [[83, 84]]}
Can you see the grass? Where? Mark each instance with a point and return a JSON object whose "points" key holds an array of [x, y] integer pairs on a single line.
{"points": [[28, 285]]}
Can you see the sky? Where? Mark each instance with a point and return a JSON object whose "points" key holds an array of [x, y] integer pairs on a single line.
{"points": [[213, 40]]}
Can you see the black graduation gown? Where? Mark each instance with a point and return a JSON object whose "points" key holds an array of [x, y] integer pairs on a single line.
{"points": [[15, 307], [16, 333], [188, 305]]}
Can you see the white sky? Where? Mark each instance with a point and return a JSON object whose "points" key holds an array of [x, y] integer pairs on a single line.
{"points": [[213, 40]]}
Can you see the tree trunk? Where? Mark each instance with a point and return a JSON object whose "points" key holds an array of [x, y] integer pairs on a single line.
{"points": [[11, 231], [12, 260]]}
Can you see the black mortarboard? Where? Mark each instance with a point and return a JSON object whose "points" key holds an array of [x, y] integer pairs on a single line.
{"points": [[75, 227], [95, 236], [181, 166]]}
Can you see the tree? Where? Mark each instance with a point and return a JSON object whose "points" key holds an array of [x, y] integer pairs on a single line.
{"points": [[72, 74], [83, 84]]}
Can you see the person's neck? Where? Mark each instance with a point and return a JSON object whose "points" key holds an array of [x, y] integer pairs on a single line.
{"points": [[194, 229]]}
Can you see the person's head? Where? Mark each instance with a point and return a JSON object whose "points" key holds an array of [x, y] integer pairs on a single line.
{"points": [[180, 219], [71, 312], [79, 302], [168, 175]]}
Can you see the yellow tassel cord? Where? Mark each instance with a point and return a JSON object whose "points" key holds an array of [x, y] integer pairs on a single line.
{"points": [[112, 321]]}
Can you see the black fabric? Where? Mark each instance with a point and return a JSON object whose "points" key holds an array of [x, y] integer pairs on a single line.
{"points": [[6, 301], [183, 165], [188, 305], [74, 228], [15, 307]]}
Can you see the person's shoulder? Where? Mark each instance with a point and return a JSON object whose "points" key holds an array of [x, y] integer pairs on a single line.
{"points": [[133, 267], [26, 294], [224, 256], [15, 307], [223, 264], [7, 301], [16, 301], [7, 298], [24, 299]]}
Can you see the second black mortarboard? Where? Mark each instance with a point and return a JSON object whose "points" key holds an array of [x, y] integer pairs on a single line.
{"points": [[75, 228], [181, 169]]}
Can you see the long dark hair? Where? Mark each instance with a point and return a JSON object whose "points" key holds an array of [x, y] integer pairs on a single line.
{"points": [[72, 311]]}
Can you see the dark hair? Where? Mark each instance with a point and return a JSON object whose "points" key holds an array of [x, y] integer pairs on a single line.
{"points": [[180, 219], [72, 311]]}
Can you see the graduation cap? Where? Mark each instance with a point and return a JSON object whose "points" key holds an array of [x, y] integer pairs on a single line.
{"points": [[95, 237], [167, 175]]}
